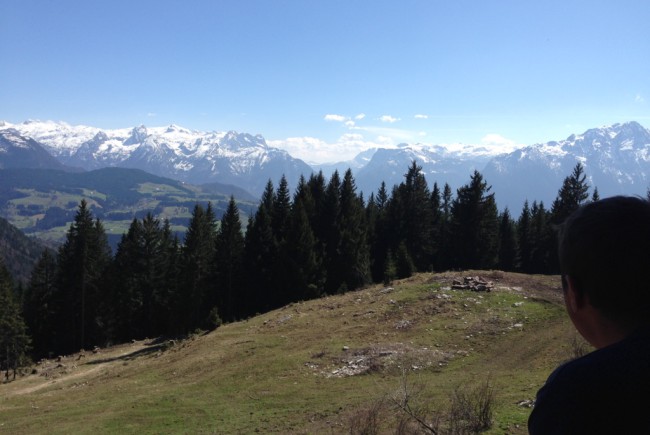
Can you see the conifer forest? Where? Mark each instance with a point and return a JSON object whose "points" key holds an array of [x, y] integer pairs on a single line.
{"points": [[324, 238]]}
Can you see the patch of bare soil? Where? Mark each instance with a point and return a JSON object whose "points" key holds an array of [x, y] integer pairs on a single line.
{"points": [[379, 358]]}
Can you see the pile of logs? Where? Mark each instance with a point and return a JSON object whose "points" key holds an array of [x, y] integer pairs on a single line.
{"points": [[473, 283]]}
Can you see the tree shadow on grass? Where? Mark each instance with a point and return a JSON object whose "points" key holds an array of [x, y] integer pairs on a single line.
{"points": [[133, 355]]}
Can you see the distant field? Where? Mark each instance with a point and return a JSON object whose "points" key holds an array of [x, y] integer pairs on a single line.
{"points": [[312, 367], [43, 203]]}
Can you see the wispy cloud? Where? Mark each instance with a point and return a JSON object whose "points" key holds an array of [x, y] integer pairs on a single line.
{"points": [[421, 116], [360, 116], [333, 117], [389, 119], [639, 99], [152, 115]]}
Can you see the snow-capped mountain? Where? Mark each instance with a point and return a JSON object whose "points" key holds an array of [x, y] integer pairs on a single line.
{"points": [[439, 164], [17, 151], [197, 157], [616, 159]]}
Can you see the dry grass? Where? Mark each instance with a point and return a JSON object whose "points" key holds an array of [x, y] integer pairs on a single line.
{"points": [[311, 367]]}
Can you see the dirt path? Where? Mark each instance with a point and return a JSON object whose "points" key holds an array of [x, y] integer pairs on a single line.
{"points": [[65, 370]]}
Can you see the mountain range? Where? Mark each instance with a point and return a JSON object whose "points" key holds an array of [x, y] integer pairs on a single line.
{"points": [[233, 158], [616, 159]]}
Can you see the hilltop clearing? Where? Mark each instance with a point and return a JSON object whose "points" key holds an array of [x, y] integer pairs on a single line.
{"points": [[311, 367]]}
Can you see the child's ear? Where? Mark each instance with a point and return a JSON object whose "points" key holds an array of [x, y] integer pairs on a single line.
{"points": [[575, 299]]}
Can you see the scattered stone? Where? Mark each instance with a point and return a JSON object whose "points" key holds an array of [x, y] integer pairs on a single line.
{"points": [[518, 325], [517, 304], [403, 324], [526, 403], [346, 348]]}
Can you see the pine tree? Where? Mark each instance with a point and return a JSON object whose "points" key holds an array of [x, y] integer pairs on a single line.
{"points": [[14, 341], [436, 223], [378, 232], [330, 228], [354, 258], [541, 237], [390, 269], [230, 264], [39, 303], [416, 217], [143, 281], [595, 196], [475, 225], [259, 259], [166, 297], [507, 242], [197, 267], [524, 255], [445, 251], [281, 211], [573, 193], [126, 298], [83, 259], [404, 266], [305, 278]]}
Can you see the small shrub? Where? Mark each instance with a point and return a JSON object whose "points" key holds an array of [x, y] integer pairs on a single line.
{"points": [[472, 409], [367, 421], [213, 321], [415, 416]]}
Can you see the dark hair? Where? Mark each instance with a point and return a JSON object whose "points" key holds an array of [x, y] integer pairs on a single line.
{"points": [[605, 247]]}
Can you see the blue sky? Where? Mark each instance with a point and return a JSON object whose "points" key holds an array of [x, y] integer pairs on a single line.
{"points": [[326, 79]]}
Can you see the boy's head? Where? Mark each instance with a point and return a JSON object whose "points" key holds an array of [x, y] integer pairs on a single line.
{"points": [[604, 246]]}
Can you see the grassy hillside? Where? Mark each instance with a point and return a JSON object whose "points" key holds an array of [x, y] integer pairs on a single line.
{"points": [[312, 367], [42, 203]]}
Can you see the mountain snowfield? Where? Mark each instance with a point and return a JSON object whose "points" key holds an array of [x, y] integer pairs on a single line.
{"points": [[176, 152], [616, 159]]}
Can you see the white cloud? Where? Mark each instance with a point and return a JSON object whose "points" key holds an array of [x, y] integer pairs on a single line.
{"points": [[639, 98], [360, 116], [333, 117], [422, 133], [389, 119], [314, 150], [421, 116], [349, 123], [152, 114], [499, 143]]}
